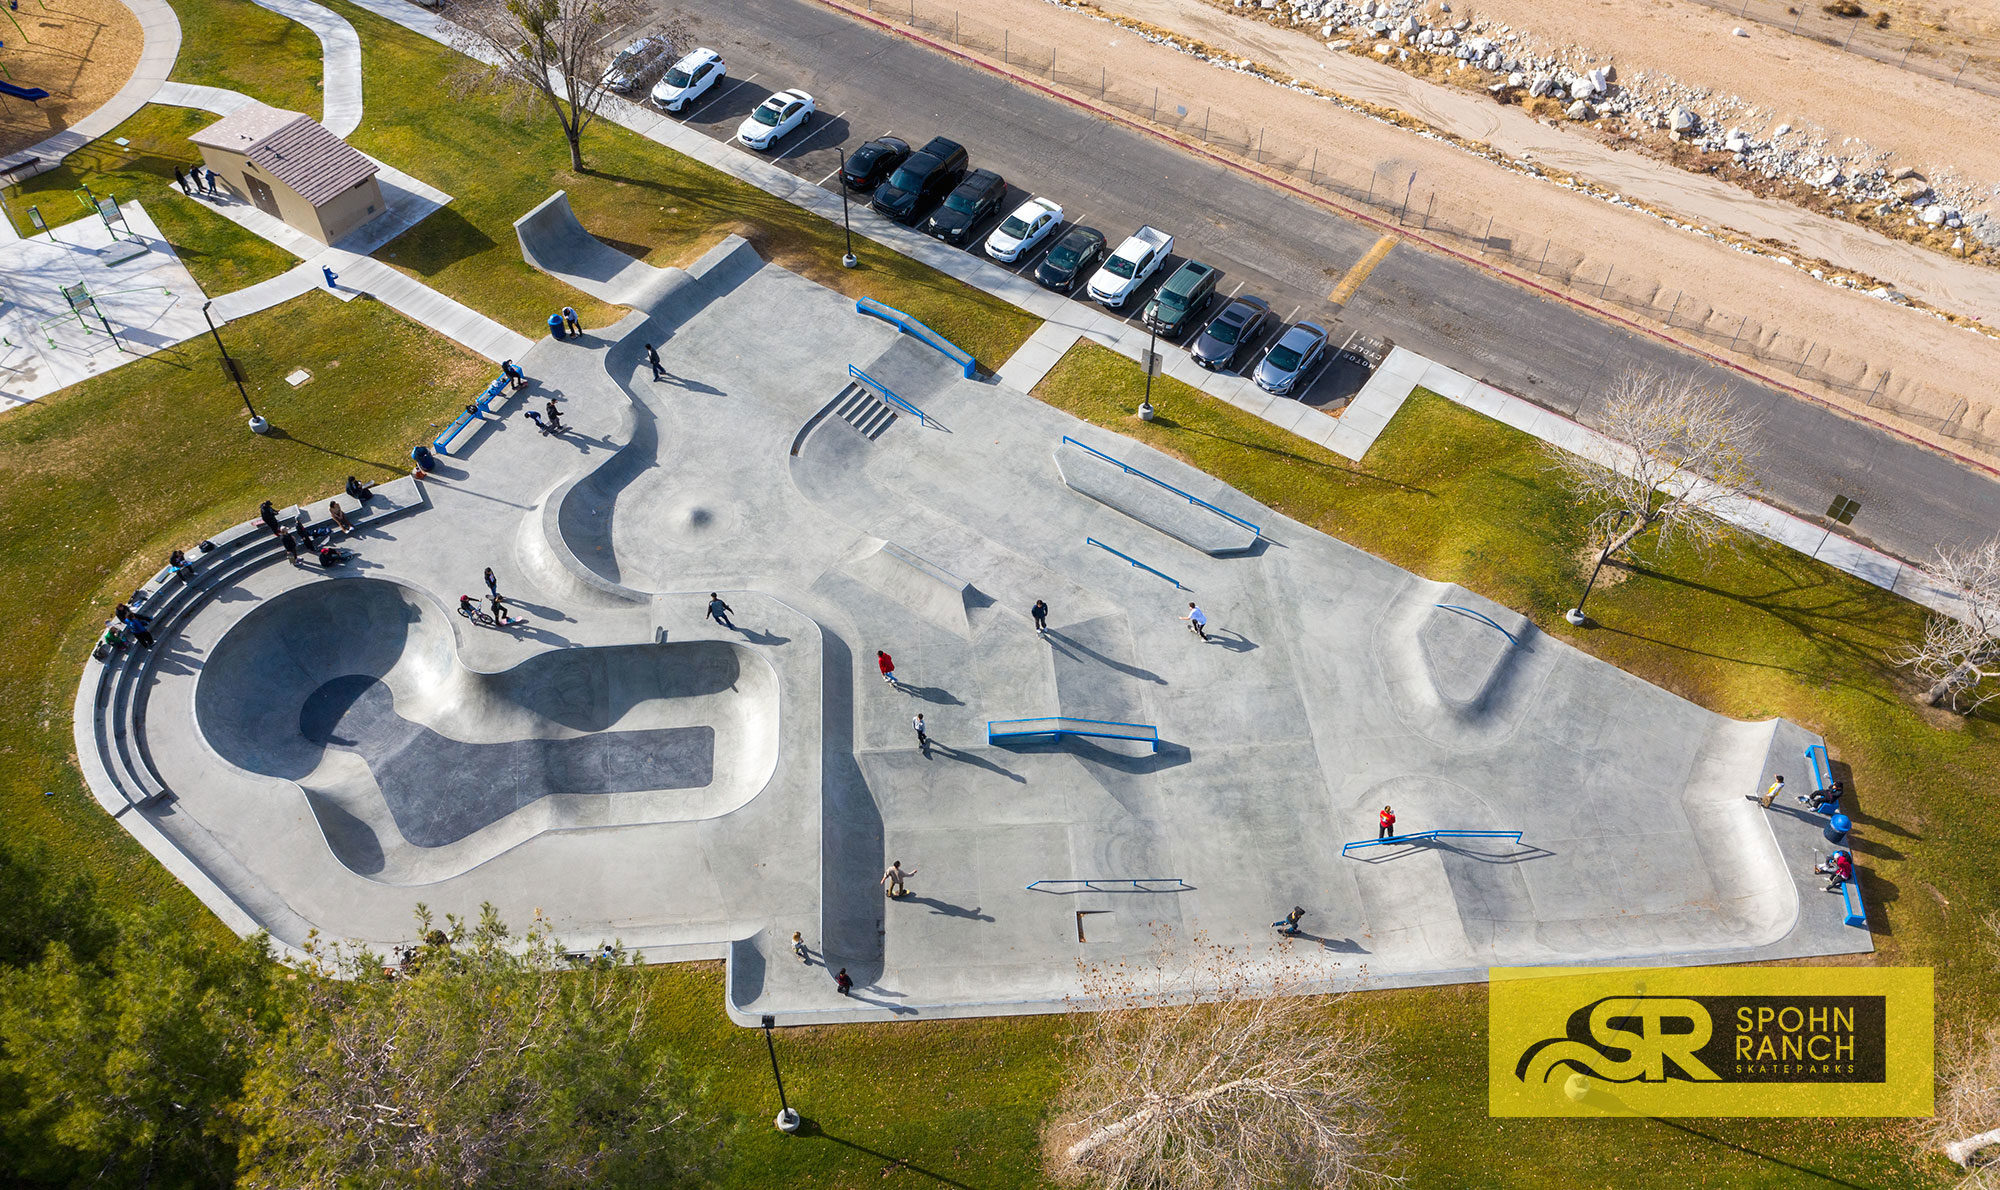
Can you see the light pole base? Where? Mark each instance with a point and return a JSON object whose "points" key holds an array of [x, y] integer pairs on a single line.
{"points": [[849, 261], [788, 1121], [1145, 411], [1576, 617], [259, 426]]}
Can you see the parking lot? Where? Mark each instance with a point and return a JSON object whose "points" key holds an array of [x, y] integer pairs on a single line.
{"points": [[848, 116]]}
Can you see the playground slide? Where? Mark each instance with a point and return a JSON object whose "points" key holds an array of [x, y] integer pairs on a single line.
{"points": [[20, 92]]}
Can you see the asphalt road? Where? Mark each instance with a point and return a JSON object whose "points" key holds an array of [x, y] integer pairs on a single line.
{"points": [[1292, 253]]}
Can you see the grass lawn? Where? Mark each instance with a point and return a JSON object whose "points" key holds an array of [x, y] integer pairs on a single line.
{"points": [[100, 481], [237, 45], [638, 196], [221, 256], [1454, 496]]}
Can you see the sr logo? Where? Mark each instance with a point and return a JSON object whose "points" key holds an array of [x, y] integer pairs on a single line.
{"points": [[1624, 1039]]}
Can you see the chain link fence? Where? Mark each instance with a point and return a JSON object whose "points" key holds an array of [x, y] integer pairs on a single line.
{"points": [[1401, 198], [1861, 35]]}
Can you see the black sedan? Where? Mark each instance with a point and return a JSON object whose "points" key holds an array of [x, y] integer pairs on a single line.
{"points": [[1229, 332], [874, 161], [1073, 258], [978, 196]]}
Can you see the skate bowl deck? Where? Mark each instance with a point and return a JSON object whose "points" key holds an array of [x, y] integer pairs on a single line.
{"points": [[417, 767]]}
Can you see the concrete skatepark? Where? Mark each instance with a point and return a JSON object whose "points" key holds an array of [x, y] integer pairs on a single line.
{"points": [[339, 746]]}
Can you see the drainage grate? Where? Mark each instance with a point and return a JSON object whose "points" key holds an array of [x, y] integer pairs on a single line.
{"points": [[1843, 509]]}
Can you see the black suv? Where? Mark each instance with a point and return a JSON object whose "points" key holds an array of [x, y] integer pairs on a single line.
{"points": [[929, 174], [869, 164], [978, 196], [1182, 299]]}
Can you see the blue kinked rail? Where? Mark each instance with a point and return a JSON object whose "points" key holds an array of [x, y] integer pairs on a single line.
{"points": [[911, 326], [494, 391], [1097, 884], [1062, 725], [1191, 499], [1426, 836], [882, 390], [1136, 562]]}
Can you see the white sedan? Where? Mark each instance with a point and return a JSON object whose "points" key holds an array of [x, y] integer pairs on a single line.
{"points": [[689, 79], [1019, 232], [774, 118]]}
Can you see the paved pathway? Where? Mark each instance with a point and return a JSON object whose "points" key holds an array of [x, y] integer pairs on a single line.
{"points": [[340, 51]]}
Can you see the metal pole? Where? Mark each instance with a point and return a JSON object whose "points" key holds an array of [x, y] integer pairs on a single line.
{"points": [[1906, 54], [1156, 105], [954, 26], [1739, 332], [1797, 19], [1315, 165], [1810, 348], [1370, 200], [1544, 260], [1877, 391], [1961, 70], [1606, 283], [1429, 209], [228, 364], [1850, 35], [1006, 35], [785, 1112], [1575, 615], [1678, 295], [1406, 197], [849, 260], [1204, 123], [1152, 342], [1260, 144], [1487, 239]]}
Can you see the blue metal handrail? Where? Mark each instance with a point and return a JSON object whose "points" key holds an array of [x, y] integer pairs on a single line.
{"points": [[1453, 607], [909, 325], [1422, 836], [1134, 561], [882, 390], [1091, 884], [1192, 499]]}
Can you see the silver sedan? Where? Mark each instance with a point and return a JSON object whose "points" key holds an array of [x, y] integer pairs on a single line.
{"points": [[1293, 355]]}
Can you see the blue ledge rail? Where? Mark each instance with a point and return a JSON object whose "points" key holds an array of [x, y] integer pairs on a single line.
{"points": [[910, 326], [1850, 894], [1426, 836], [1190, 498], [1136, 562], [1822, 766], [494, 391], [1057, 726], [882, 390], [1112, 884]]}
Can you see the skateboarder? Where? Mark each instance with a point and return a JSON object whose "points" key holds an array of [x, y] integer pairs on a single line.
{"points": [[843, 982], [1288, 925], [718, 610], [1770, 795], [894, 877], [499, 611], [887, 665], [1041, 613], [653, 361], [799, 947], [1197, 621]]}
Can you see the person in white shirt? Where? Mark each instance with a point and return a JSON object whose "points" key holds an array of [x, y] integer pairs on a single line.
{"points": [[1197, 621]]}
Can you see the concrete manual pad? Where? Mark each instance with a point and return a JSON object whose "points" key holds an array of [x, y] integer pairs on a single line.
{"points": [[700, 788]]}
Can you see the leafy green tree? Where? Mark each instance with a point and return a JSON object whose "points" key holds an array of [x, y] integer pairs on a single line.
{"points": [[122, 1070], [480, 1059], [45, 904]]}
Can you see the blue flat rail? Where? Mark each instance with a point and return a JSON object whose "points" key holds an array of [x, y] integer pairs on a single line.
{"points": [[1453, 607], [1822, 766], [882, 390], [1136, 562], [494, 391], [1188, 496], [910, 326], [1058, 726], [1426, 836], [1109, 883]]}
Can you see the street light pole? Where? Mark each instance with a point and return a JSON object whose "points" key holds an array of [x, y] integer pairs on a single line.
{"points": [[849, 260], [788, 1120], [1152, 360], [257, 424], [1575, 615]]}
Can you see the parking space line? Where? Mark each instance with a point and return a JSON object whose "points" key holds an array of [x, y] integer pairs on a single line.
{"points": [[829, 174], [1238, 289], [801, 142], [689, 117], [1344, 292]]}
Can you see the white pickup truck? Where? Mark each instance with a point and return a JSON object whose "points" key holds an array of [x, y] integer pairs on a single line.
{"points": [[1126, 269]]}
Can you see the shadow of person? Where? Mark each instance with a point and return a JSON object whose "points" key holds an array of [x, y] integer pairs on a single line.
{"points": [[693, 386], [1232, 640], [1071, 647], [759, 637], [932, 694], [972, 758], [880, 1001], [546, 613], [947, 909]]}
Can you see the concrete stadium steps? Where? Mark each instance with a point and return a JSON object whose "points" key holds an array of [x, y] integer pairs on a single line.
{"points": [[866, 412], [119, 690]]}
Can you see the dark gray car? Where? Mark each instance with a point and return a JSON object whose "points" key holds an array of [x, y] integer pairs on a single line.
{"points": [[1294, 354], [1228, 333]]}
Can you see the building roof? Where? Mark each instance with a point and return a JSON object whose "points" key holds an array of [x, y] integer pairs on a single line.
{"points": [[293, 148]]}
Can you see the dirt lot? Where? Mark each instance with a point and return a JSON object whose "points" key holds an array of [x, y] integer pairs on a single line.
{"points": [[1896, 358], [82, 51]]}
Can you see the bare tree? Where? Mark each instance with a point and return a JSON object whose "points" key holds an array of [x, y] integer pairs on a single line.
{"points": [[1208, 1074], [1961, 652], [1688, 458], [1967, 1123], [552, 52]]}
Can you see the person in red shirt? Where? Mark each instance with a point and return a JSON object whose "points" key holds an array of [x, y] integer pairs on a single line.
{"points": [[887, 666], [1839, 868], [1386, 824]]}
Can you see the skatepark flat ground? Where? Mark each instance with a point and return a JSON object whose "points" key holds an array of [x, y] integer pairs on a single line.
{"points": [[1332, 683]]}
